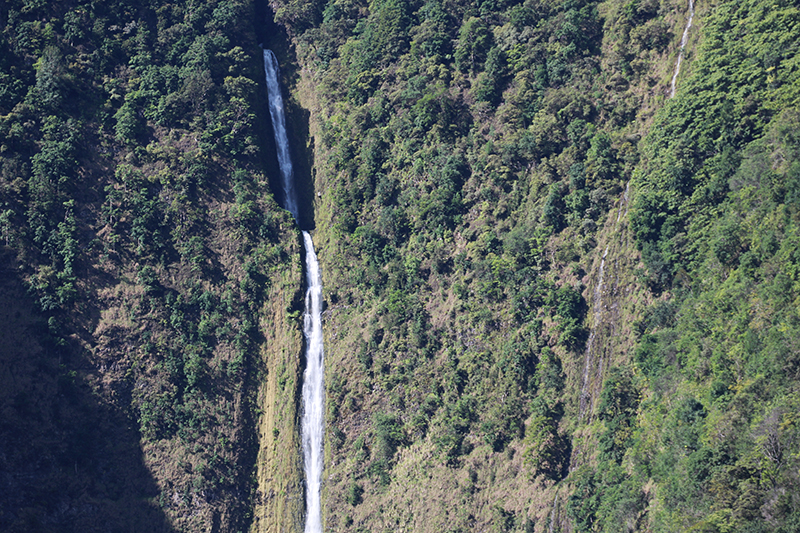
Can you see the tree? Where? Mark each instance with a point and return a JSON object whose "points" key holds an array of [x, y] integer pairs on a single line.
{"points": [[474, 41]]}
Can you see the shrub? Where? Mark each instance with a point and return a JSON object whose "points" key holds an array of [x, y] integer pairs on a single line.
{"points": [[354, 493], [389, 434]]}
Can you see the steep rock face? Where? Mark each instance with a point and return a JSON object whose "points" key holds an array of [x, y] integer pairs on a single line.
{"points": [[517, 241], [461, 271]]}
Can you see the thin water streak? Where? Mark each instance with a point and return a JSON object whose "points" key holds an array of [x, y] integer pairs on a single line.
{"points": [[597, 300], [624, 202], [553, 514], [684, 40]]}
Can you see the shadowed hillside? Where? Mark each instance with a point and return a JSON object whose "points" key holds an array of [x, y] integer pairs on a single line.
{"points": [[71, 459]]}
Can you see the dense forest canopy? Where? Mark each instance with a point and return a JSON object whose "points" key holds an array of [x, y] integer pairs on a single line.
{"points": [[480, 169], [557, 298]]}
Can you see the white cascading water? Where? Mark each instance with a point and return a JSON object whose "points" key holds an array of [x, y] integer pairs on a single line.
{"points": [[313, 392], [276, 112], [312, 424]]}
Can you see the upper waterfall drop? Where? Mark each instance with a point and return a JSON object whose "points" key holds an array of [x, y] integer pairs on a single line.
{"points": [[313, 421], [276, 112]]}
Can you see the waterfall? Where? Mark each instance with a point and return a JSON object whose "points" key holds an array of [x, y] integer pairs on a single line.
{"points": [[684, 40], [278, 116], [312, 424], [553, 514], [313, 390], [597, 300]]}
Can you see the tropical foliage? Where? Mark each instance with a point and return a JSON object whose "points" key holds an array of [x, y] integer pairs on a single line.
{"points": [[557, 298]]}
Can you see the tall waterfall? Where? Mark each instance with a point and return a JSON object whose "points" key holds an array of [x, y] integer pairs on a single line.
{"points": [[313, 385]]}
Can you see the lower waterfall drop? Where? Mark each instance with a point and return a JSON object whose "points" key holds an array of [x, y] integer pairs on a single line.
{"points": [[312, 425], [313, 390]]}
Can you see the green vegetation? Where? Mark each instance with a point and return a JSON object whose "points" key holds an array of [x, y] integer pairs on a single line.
{"points": [[556, 299], [134, 199], [472, 177]]}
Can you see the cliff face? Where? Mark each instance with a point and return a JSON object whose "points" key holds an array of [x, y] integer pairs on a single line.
{"points": [[541, 314], [557, 298]]}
